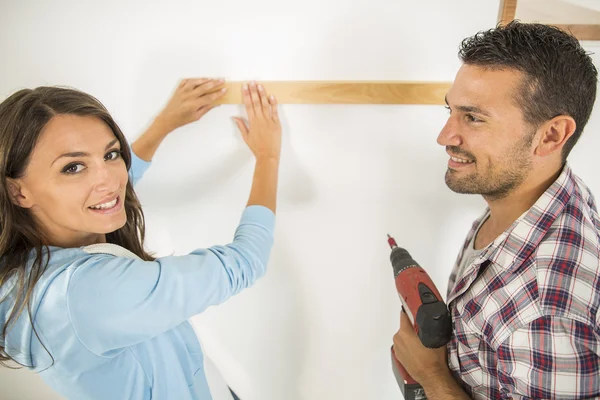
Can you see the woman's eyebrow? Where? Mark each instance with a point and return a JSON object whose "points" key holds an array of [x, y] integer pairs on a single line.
{"points": [[81, 153]]}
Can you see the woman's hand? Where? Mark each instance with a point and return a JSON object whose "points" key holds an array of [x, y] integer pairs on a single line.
{"points": [[262, 134], [262, 131], [192, 99]]}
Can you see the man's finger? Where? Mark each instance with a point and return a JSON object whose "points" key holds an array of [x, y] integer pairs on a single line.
{"points": [[405, 324]]}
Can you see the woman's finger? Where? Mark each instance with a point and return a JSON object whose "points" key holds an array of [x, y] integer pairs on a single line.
{"points": [[190, 83], [241, 124], [210, 98], [202, 111], [206, 87], [255, 99], [274, 112], [248, 101], [264, 100]]}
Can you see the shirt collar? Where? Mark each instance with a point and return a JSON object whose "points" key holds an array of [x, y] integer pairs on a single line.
{"points": [[516, 243]]}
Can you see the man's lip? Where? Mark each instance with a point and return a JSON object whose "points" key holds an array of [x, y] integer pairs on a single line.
{"points": [[107, 200], [461, 157]]}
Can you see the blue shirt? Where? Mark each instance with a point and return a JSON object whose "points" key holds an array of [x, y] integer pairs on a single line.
{"points": [[117, 326]]}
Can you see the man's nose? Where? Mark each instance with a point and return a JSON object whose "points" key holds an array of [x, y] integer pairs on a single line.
{"points": [[449, 134]]}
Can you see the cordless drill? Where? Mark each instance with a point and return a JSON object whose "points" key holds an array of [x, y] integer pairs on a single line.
{"points": [[426, 310]]}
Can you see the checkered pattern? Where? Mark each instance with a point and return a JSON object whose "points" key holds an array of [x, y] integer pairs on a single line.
{"points": [[525, 311]]}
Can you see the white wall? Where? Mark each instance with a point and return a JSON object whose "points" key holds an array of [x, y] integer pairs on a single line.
{"points": [[320, 324]]}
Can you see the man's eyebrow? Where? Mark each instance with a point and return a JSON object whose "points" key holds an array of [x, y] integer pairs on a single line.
{"points": [[82, 153], [469, 109]]}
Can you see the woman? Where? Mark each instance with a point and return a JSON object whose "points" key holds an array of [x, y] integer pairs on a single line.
{"points": [[82, 302]]}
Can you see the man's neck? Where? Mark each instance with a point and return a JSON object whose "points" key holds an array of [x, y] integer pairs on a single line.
{"points": [[505, 211]]}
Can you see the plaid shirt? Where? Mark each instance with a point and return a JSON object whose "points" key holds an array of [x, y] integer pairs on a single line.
{"points": [[525, 311]]}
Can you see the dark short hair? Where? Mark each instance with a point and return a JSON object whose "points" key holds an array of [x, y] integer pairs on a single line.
{"points": [[559, 75]]}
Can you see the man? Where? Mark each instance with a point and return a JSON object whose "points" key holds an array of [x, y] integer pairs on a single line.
{"points": [[524, 294]]}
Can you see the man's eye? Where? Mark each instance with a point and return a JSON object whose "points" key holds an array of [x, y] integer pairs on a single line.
{"points": [[72, 169], [113, 155], [471, 118], [449, 110]]}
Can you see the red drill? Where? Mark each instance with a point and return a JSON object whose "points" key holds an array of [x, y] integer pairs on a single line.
{"points": [[425, 308]]}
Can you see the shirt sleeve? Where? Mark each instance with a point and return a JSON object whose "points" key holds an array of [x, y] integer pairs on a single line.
{"points": [[550, 358], [138, 168], [115, 302]]}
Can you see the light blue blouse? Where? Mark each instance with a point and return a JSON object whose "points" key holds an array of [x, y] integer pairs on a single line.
{"points": [[116, 326]]}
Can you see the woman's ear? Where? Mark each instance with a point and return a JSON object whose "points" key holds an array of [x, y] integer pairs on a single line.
{"points": [[18, 196]]}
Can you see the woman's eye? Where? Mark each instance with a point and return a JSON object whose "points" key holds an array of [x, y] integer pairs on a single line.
{"points": [[113, 155], [72, 168]]}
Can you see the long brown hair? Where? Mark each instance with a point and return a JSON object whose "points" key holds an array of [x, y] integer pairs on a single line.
{"points": [[23, 115]]}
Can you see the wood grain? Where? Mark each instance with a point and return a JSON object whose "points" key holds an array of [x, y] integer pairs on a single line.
{"points": [[346, 92], [508, 9], [582, 32]]}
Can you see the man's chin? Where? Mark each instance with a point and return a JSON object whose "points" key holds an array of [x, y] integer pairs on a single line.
{"points": [[461, 186]]}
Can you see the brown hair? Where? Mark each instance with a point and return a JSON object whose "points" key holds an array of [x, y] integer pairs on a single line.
{"points": [[23, 116], [560, 77]]}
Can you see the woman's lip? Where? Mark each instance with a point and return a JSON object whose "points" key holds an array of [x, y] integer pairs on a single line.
{"points": [[116, 208], [105, 201]]}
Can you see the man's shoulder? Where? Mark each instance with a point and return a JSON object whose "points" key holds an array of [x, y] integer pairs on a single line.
{"points": [[567, 260]]}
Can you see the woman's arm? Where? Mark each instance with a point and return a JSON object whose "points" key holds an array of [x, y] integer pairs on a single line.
{"points": [[262, 134], [116, 302], [192, 99]]}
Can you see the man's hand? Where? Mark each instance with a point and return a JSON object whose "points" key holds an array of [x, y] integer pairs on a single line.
{"points": [[429, 367], [423, 364], [192, 99]]}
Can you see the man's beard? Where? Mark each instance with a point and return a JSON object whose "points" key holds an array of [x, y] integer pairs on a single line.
{"points": [[498, 181]]}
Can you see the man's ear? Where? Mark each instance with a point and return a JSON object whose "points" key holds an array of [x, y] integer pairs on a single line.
{"points": [[554, 135], [18, 196]]}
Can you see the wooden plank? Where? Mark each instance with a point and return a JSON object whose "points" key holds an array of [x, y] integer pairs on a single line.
{"points": [[582, 32], [346, 92], [508, 9]]}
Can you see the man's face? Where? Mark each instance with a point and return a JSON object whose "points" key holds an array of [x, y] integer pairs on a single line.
{"points": [[486, 136]]}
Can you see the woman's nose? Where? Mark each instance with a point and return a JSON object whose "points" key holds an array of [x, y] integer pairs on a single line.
{"points": [[107, 180]]}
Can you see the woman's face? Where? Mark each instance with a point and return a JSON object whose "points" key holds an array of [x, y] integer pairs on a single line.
{"points": [[75, 182]]}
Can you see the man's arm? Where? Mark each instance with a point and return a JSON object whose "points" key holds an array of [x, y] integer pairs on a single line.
{"points": [[429, 367], [443, 387], [551, 357]]}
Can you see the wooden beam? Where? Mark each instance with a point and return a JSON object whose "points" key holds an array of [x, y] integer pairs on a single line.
{"points": [[508, 9], [346, 92], [582, 32]]}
